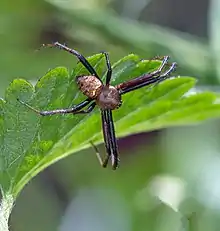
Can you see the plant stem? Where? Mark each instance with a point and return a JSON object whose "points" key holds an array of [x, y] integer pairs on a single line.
{"points": [[5, 211]]}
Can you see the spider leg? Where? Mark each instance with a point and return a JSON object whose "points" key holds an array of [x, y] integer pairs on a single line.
{"points": [[171, 69], [81, 58], [109, 139], [106, 135], [112, 139], [165, 75], [109, 68], [134, 83], [163, 64], [88, 110], [104, 162], [73, 110], [149, 79], [105, 129]]}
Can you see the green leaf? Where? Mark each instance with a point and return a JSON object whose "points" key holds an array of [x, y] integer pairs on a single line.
{"points": [[29, 143]]}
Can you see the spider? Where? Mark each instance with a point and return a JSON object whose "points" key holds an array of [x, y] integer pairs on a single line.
{"points": [[106, 97]]}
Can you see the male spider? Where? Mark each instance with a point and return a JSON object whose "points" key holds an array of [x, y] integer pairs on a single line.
{"points": [[106, 97]]}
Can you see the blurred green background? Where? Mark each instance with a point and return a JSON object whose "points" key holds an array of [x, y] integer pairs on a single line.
{"points": [[168, 179]]}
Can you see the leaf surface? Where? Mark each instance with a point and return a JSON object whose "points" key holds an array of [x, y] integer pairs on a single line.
{"points": [[29, 143]]}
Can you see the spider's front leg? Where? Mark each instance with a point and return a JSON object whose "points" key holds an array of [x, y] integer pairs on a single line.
{"points": [[73, 110], [147, 79], [80, 57]]}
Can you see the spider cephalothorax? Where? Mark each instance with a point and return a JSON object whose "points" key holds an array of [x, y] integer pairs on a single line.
{"points": [[109, 98], [106, 97]]}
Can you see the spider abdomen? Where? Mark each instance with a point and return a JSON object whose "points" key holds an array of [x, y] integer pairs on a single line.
{"points": [[89, 85], [109, 98]]}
